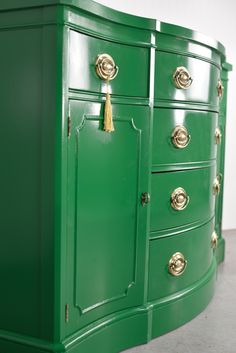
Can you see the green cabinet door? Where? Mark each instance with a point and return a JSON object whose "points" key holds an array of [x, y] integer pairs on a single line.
{"points": [[107, 174]]}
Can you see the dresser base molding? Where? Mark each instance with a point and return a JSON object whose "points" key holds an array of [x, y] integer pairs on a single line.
{"points": [[126, 329]]}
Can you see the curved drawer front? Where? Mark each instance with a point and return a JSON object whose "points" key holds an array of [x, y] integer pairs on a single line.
{"points": [[183, 136], [194, 246], [203, 80], [198, 204], [132, 63]]}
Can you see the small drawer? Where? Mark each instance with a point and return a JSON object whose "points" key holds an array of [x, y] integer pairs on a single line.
{"points": [[182, 197], [132, 66], [183, 78], [176, 262], [183, 136]]}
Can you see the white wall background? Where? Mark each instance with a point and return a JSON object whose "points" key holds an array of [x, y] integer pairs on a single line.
{"points": [[217, 19]]}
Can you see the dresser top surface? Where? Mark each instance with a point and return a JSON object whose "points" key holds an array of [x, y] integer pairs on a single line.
{"points": [[118, 17]]}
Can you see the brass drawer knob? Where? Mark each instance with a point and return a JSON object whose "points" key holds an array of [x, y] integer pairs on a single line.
{"points": [[214, 240], [216, 184], [182, 78], [220, 89], [106, 68], [177, 264], [179, 199], [180, 137], [218, 136]]}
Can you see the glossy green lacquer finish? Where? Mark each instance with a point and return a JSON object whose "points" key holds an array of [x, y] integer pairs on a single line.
{"points": [[205, 77], [106, 177], [220, 160], [27, 206], [161, 282], [82, 77], [201, 146], [83, 262], [198, 184]]}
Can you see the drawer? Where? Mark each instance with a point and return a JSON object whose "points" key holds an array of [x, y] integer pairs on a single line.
{"points": [[205, 78], [190, 191], [133, 66], [194, 245], [183, 136]]}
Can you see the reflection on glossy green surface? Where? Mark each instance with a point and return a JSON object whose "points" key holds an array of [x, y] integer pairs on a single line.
{"points": [[205, 77], [198, 183], [201, 127]]}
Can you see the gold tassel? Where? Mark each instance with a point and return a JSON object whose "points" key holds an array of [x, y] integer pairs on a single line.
{"points": [[108, 121]]}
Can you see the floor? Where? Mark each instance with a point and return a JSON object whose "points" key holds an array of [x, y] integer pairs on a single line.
{"points": [[214, 330]]}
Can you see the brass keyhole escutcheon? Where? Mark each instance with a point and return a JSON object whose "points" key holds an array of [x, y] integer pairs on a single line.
{"points": [[214, 240], [182, 78], [218, 136], [106, 68], [177, 264], [145, 198], [180, 137], [179, 199]]}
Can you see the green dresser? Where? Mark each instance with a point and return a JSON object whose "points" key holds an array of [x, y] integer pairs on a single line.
{"points": [[112, 172]]}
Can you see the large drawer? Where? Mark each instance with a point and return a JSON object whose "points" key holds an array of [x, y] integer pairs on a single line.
{"points": [[205, 78], [132, 61], [183, 136], [167, 196], [196, 248]]}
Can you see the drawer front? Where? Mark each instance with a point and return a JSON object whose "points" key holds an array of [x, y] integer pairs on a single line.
{"points": [[198, 204], [132, 62], [194, 245], [183, 136], [204, 75]]}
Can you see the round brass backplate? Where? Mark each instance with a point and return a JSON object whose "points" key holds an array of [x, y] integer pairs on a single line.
{"points": [[106, 68], [180, 137], [218, 136], [177, 264], [182, 78], [214, 240], [216, 185], [179, 199]]}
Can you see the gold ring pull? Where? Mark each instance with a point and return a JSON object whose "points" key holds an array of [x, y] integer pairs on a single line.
{"points": [[214, 240], [180, 137], [220, 89], [106, 68], [218, 136], [182, 78], [179, 199], [177, 264], [216, 185]]}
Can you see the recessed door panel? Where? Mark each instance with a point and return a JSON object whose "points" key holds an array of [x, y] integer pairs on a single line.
{"points": [[106, 229]]}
